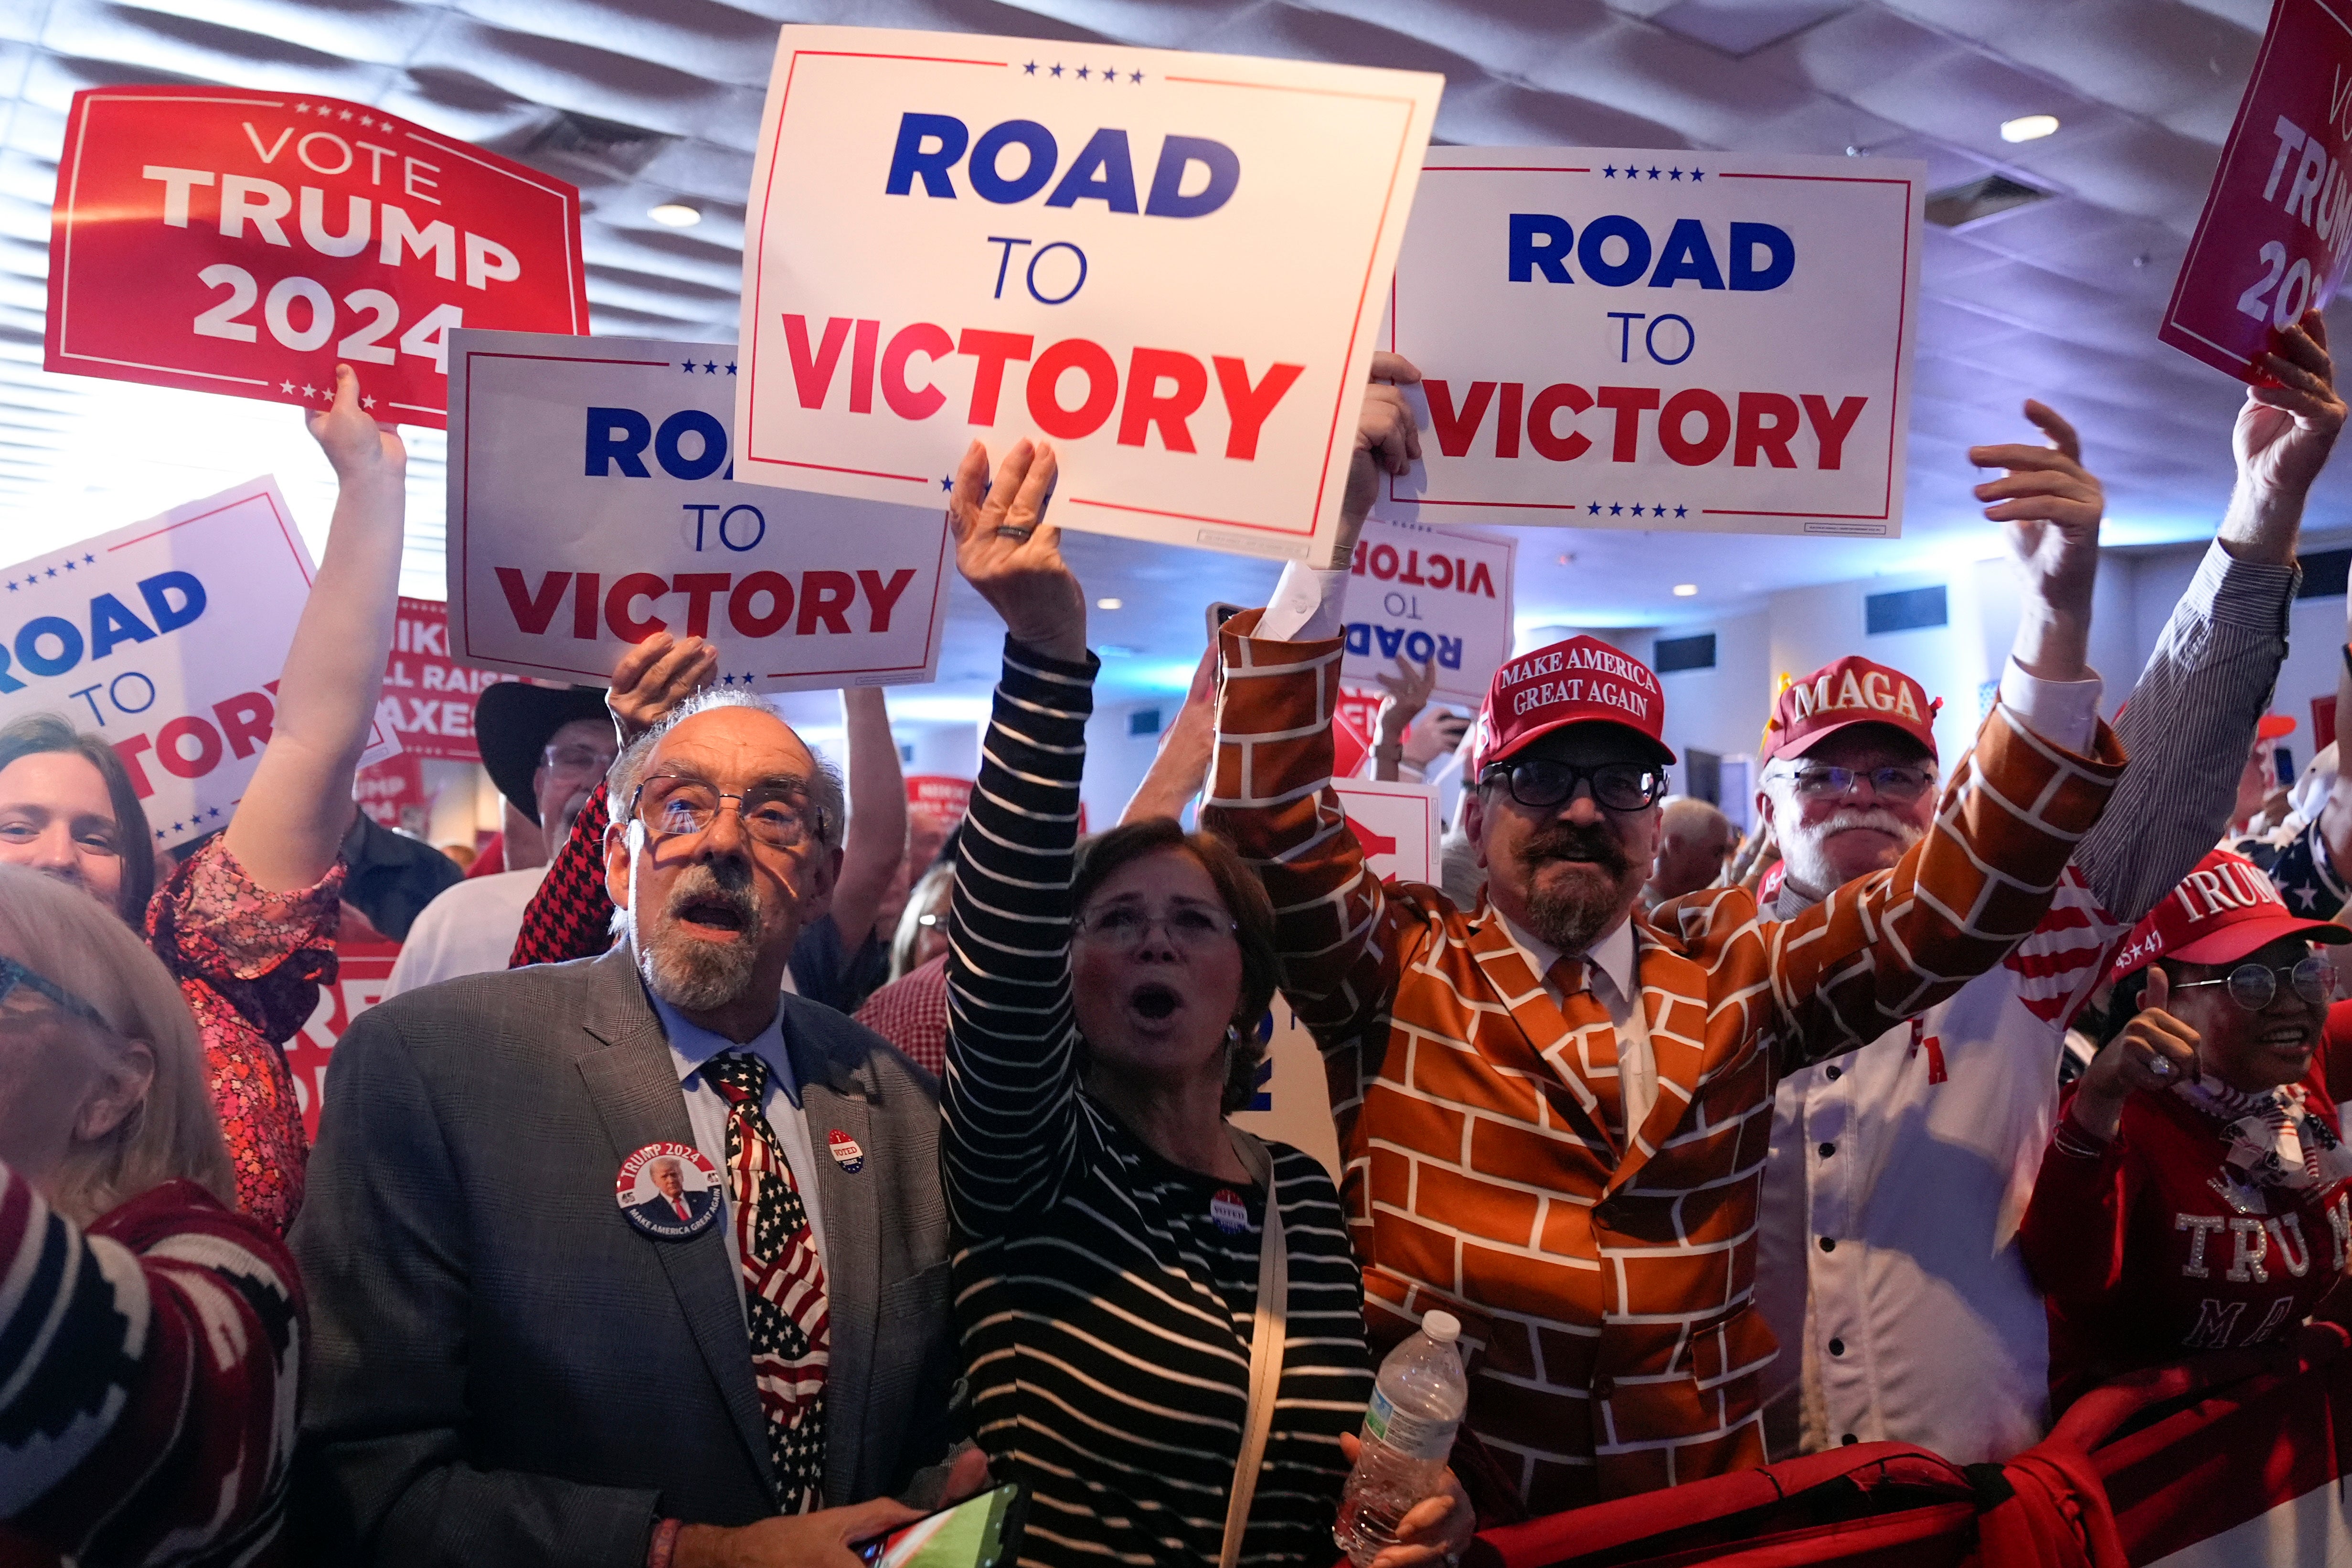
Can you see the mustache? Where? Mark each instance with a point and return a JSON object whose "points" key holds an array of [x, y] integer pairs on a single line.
{"points": [[725, 882], [1874, 818], [1568, 841]]}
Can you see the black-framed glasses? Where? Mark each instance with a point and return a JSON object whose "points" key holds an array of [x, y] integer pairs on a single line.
{"points": [[1895, 783], [674, 806], [16, 977], [1188, 925], [2253, 986], [1546, 782]]}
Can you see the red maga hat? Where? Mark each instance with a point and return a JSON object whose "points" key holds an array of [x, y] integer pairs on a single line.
{"points": [[1850, 690], [1580, 681], [2272, 726], [2222, 912]]}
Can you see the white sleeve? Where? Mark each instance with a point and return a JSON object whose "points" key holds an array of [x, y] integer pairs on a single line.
{"points": [[1305, 606], [2063, 712]]}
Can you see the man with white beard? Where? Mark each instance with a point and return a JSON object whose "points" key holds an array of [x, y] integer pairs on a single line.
{"points": [[559, 1371], [1886, 1256]]}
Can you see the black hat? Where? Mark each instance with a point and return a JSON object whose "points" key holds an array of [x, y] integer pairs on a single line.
{"points": [[513, 722]]}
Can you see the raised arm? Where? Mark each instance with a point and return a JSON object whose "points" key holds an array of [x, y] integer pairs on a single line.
{"points": [[2190, 719], [290, 826], [1888, 946], [876, 839], [570, 915], [1011, 1126], [1181, 766]]}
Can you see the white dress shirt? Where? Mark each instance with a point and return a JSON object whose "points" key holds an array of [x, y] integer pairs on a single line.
{"points": [[1611, 973], [690, 1046], [469, 928]]}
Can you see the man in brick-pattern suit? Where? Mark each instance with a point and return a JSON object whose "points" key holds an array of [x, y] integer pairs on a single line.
{"points": [[1553, 1111]]}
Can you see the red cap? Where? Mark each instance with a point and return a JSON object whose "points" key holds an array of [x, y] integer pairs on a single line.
{"points": [[1580, 681], [1851, 691], [2272, 726], [2223, 912]]}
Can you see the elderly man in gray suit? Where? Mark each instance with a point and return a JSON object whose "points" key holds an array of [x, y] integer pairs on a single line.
{"points": [[554, 1372]]}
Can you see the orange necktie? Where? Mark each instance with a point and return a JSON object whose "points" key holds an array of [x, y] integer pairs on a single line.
{"points": [[1595, 1050]]}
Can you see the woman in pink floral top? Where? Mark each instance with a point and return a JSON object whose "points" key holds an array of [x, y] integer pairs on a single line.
{"points": [[246, 924]]}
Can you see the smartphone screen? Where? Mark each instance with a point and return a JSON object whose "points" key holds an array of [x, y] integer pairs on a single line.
{"points": [[1219, 613], [983, 1532]]}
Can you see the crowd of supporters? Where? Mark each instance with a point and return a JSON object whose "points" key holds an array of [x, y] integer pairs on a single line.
{"points": [[1961, 1088]]}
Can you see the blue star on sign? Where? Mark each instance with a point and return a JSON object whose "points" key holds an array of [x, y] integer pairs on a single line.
{"points": [[13, 584], [1138, 78], [1029, 69], [1594, 508], [90, 560], [1609, 172], [947, 483], [1109, 75], [730, 367], [53, 571], [1697, 176], [687, 367], [1674, 174], [1057, 68], [1653, 172], [1615, 509], [71, 563], [1083, 73], [710, 367], [1682, 511]]}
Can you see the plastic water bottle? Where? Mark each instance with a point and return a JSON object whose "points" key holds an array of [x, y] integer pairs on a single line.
{"points": [[1417, 1404]]}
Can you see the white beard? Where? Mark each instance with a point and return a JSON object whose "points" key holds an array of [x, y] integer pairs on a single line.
{"points": [[1806, 849]]}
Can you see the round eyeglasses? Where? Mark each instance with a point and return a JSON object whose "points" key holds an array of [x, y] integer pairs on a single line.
{"points": [[673, 806], [1547, 782], [2254, 986]]}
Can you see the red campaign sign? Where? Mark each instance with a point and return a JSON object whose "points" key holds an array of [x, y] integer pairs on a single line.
{"points": [[1353, 718], [362, 969], [244, 242], [393, 792], [428, 697], [939, 797], [2271, 239]]}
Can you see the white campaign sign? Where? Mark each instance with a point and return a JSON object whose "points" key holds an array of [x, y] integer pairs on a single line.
{"points": [[1686, 340], [591, 507], [167, 638], [1436, 595], [1396, 824], [1170, 265]]}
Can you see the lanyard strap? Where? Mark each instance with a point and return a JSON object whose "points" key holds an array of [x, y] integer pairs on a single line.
{"points": [[1267, 1335]]}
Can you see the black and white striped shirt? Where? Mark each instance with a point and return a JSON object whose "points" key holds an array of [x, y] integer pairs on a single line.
{"points": [[1105, 1317]]}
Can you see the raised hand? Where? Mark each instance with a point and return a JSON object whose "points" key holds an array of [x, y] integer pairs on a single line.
{"points": [[1005, 549], [2051, 506], [1387, 442], [359, 446], [654, 676], [1408, 693], [2155, 1051], [2286, 428]]}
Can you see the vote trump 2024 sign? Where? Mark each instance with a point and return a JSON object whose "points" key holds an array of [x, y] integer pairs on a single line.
{"points": [[1171, 266], [1689, 341], [166, 639], [223, 240], [2273, 238], [591, 507]]}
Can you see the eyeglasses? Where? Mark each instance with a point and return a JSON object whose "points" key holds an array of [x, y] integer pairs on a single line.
{"points": [[16, 977], [1188, 925], [1549, 781], [2253, 985], [674, 806], [1895, 783], [576, 759]]}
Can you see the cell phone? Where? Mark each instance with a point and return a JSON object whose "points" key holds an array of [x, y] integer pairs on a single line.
{"points": [[983, 1532], [1219, 613]]}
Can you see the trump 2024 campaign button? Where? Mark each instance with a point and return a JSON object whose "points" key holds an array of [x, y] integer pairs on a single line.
{"points": [[668, 1191]]}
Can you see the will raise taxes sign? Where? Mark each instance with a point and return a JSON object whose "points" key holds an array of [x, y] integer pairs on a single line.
{"points": [[1170, 265]]}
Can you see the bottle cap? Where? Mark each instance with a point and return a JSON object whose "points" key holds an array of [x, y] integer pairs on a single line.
{"points": [[1443, 1327]]}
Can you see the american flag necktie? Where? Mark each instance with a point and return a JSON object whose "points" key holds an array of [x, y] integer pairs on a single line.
{"points": [[783, 1283], [1594, 1046]]}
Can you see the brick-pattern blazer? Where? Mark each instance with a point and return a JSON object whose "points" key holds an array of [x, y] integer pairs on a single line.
{"points": [[1607, 1292]]}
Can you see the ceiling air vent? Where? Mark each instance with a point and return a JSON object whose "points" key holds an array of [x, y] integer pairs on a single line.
{"points": [[600, 147], [1960, 205]]}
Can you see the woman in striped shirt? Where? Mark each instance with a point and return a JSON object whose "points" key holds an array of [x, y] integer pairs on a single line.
{"points": [[1107, 1219]]}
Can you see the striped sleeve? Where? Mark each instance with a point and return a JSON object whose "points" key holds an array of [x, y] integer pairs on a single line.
{"points": [[1013, 1129], [1886, 947], [148, 1391], [2186, 728]]}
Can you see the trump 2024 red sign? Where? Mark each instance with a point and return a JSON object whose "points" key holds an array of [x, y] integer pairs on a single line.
{"points": [[246, 242], [2273, 238]]}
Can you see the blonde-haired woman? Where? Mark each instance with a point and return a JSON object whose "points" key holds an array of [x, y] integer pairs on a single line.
{"points": [[162, 1330]]}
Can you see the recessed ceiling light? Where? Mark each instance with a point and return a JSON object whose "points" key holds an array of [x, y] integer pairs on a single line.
{"points": [[1686, 590], [2029, 128], [678, 214], [1109, 603]]}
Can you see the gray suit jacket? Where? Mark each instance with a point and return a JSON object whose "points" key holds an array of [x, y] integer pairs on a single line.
{"points": [[504, 1371]]}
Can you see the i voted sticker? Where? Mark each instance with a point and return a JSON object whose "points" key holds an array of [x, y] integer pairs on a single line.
{"points": [[668, 1191], [845, 1151], [1231, 1214]]}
